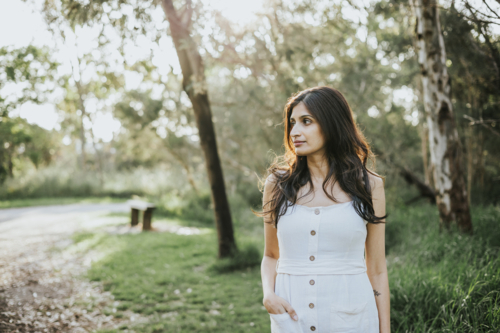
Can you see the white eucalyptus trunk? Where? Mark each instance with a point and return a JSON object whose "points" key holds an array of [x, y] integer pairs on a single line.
{"points": [[444, 143]]}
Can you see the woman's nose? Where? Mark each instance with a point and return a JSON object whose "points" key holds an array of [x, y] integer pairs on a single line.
{"points": [[294, 131]]}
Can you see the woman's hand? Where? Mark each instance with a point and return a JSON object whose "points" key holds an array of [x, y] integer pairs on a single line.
{"points": [[278, 305]]}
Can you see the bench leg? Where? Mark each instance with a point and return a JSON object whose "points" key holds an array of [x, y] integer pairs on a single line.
{"points": [[146, 219], [135, 217]]}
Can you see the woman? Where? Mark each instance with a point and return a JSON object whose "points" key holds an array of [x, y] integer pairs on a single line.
{"points": [[322, 209]]}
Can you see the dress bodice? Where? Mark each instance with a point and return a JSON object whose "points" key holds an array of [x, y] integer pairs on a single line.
{"points": [[321, 240]]}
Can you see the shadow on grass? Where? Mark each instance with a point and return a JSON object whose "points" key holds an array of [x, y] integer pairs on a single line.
{"points": [[245, 258]]}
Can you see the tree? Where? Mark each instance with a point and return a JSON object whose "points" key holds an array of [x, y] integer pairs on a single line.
{"points": [[31, 68], [194, 84], [444, 143]]}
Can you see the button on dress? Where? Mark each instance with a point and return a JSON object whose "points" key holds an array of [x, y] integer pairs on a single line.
{"points": [[321, 271]]}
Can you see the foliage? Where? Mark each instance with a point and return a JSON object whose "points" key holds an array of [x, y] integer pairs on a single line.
{"points": [[21, 141], [31, 70], [29, 66], [443, 282], [365, 51]]}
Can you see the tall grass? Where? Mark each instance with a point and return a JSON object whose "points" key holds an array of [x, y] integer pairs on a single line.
{"points": [[444, 282]]}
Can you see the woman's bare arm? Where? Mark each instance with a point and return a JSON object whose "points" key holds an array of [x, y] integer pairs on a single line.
{"points": [[273, 303], [376, 267]]}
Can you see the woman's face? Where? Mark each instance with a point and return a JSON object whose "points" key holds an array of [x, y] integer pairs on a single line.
{"points": [[305, 130]]}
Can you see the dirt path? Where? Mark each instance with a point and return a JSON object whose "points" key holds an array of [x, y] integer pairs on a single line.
{"points": [[39, 286]]}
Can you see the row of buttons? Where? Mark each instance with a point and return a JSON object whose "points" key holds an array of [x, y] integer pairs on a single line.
{"points": [[311, 305], [312, 233], [311, 282]]}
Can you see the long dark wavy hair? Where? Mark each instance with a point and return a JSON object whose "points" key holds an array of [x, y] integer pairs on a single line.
{"points": [[347, 152]]}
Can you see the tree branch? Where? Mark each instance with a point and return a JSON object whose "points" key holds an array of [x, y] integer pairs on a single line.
{"points": [[483, 123]]}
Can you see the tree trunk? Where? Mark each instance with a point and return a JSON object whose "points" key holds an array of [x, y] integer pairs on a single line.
{"points": [[10, 165], [194, 85], [481, 163], [97, 154], [444, 144], [470, 159], [82, 128], [425, 153], [425, 139]]}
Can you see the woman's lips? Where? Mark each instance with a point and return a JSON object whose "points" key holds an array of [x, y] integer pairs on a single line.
{"points": [[298, 143]]}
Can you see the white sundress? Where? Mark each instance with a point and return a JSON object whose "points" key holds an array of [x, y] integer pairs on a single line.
{"points": [[322, 271]]}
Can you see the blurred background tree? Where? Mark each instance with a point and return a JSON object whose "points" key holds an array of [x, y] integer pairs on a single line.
{"points": [[33, 69], [366, 50]]}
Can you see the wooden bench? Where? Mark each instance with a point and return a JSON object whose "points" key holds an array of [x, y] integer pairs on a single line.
{"points": [[147, 207]]}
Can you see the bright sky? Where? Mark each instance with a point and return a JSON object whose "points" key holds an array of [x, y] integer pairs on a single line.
{"points": [[26, 26]]}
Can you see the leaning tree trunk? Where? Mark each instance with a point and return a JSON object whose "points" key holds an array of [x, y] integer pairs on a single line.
{"points": [[444, 143], [194, 85]]}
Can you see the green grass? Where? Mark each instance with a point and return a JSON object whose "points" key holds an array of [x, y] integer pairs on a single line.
{"points": [[444, 282], [439, 282], [56, 201], [176, 276]]}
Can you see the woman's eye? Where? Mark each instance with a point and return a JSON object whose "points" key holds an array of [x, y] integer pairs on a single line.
{"points": [[306, 121]]}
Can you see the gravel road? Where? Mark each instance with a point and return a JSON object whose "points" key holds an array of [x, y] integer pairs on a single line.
{"points": [[39, 288]]}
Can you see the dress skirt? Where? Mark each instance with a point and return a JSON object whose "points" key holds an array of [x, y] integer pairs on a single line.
{"points": [[326, 304]]}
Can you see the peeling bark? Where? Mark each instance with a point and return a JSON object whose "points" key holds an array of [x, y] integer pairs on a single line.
{"points": [[444, 144]]}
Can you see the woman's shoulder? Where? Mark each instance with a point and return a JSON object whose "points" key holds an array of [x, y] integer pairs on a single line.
{"points": [[376, 180], [275, 175]]}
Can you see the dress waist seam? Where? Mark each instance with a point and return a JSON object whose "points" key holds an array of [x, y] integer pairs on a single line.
{"points": [[320, 266]]}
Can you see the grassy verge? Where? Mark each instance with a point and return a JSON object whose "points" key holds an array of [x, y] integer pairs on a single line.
{"points": [[439, 282], [444, 282], [169, 278], [55, 201]]}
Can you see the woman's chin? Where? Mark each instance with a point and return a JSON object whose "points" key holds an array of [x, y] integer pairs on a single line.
{"points": [[300, 152]]}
